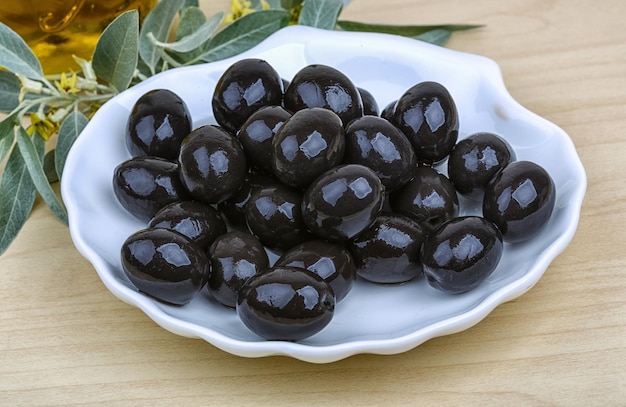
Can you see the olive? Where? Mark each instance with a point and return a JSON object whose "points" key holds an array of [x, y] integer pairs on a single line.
{"points": [[389, 250], [519, 200], [309, 143], [257, 133], [165, 265], [388, 111], [144, 185], [157, 124], [342, 202], [212, 164], [429, 198], [245, 87], [427, 115], [320, 85], [235, 257], [274, 216], [234, 208], [475, 160], [370, 106], [330, 261], [461, 253], [286, 303], [197, 221], [379, 145]]}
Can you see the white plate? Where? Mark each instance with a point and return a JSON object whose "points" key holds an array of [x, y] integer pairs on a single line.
{"points": [[373, 318]]}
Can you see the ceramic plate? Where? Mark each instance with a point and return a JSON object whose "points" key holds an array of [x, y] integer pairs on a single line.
{"points": [[373, 318]]}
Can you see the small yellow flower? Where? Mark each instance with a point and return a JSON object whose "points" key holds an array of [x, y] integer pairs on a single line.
{"points": [[28, 86], [240, 8], [42, 125], [68, 83]]}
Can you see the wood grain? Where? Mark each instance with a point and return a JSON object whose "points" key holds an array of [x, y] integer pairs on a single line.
{"points": [[66, 341]]}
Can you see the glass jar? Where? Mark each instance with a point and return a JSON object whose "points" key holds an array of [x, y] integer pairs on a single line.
{"points": [[57, 29]]}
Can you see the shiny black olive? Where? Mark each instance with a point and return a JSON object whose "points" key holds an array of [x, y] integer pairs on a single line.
{"points": [[212, 164], [475, 160], [323, 86], [245, 87], [519, 200], [235, 257], [144, 185], [197, 221], [388, 111], [308, 144], [330, 261], [274, 215], [157, 124], [234, 208], [342, 202], [165, 265], [427, 115], [389, 250], [286, 303], [429, 198], [379, 145], [461, 253], [370, 106], [257, 133]]}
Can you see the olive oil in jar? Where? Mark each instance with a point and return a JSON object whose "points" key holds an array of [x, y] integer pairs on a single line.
{"points": [[57, 29]]}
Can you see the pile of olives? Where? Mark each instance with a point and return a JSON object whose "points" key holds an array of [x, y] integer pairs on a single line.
{"points": [[309, 170]]}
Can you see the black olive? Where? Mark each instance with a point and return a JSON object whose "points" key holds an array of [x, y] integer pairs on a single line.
{"points": [[389, 250], [342, 202], [245, 87], [370, 106], [475, 160], [144, 185], [323, 86], [274, 215], [379, 145], [286, 303], [330, 261], [165, 265], [427, 115], [234, 208], [257, 133], [158, 123], [212, 164], [388, 111], [429, 198], [519, 200], [461, 253], [235, 257], [309, 143], [197, 221]]}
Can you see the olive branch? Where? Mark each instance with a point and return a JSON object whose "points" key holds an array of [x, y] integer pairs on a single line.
{"points": [[43, 115]]}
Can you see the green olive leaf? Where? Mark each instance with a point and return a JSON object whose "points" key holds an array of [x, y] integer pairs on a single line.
{"points": [[18, 196], [191, 20], [244, 33], [69, 131], [9, 91], [158, 22], [404, 30], [48, 167], [7, 135], [115, 56], [189, 3], [438, 36], [33, 160], [194, 40], [320, 14], [16, 56]]}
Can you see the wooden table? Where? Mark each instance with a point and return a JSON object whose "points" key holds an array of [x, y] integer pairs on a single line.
{"points": [[65, 340]]}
